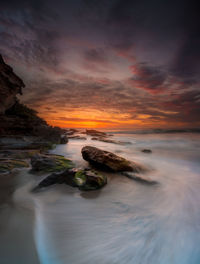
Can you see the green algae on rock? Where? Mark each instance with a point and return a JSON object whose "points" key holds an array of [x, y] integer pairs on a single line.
{"points": [[84, 179], [45, 163], [7, 165], [89, 180]]}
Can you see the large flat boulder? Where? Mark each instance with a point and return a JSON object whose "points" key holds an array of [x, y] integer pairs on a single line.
{"points": [[108, 161]]}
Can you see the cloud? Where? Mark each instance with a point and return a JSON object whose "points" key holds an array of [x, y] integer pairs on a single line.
{"points": [[129, 59], [149, 78], [186, 63]]}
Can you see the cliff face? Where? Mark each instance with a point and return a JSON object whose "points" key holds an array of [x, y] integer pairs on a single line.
{"points": [[16, 118], [10, 86]]}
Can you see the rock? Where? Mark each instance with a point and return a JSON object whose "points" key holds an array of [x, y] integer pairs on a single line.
{"points": [[138, 177], [70, 131], [10, 86], [21, 120], [63, 139], [104, 139], [108, 161], [7, 165], [77, 137], [16, 118], [84, 179], [146, 150], [27, 145], [89, 180], [18, 154], [107, 140], [50, 163], [95, 133]]}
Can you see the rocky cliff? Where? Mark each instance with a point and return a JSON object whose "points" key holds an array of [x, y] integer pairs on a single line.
{"points": [[10, 86], [16, 118]]}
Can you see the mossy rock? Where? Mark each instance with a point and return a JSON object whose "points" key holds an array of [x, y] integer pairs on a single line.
{"points": [[6, 165], [50, 163], [42, 146], [26, 154], [85, 180], [89, 180]]}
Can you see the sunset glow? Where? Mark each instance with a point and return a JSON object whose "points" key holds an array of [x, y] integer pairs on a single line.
{"points": [[116, 71]]}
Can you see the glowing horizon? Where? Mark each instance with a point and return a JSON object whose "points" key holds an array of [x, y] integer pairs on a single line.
{"points": [[106, 64]]}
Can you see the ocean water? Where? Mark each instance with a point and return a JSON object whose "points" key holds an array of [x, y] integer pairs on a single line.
{"points": [[126, 222]]}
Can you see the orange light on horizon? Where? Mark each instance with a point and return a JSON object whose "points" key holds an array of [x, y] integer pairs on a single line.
{"points": [[97, 119]]}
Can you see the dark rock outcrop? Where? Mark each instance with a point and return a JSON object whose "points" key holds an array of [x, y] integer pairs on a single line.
{"points": [[10, 86], [108, 161], [63, 139], [70, 131], [89, 180], [108, 140], [18, 119], [77, 137], [105, 139], [21, 120], [95, 133], [44, 163], [84, 179], [146, 151], [7, 165]]}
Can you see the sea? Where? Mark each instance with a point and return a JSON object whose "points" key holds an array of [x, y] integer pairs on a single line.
{"points": [[126, 222]]}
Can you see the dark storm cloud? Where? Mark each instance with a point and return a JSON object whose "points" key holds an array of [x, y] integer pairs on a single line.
{"points": [[94, 55], [148, 77], [187, 105], [187, 61], [25, 35], [159, 23]]}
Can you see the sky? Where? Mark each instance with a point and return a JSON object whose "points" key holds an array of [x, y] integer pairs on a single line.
{"points": [[107, 64]]}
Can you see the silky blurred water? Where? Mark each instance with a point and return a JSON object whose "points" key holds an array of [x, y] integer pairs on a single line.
{"points": [[126, 222]]}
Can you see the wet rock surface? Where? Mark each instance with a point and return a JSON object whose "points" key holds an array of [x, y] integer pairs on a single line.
{"points": [[148, 151], [108, 161], [95, 133], [18, 119], [108, 140], [7, 165], [44, 163], [10, 86], [87, 179], [63, 139], [77, 137], [83, 179]]}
